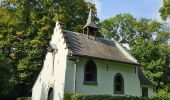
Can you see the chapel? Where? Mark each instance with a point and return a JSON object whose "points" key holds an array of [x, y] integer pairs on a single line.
{"points": [[87, 64]]}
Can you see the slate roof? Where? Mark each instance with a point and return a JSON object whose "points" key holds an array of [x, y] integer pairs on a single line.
{"points": [[100, 48], [143, 79]]}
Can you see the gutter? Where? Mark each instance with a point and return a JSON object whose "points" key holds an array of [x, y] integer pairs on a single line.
{"points": [[75, 72], [118, 61]]}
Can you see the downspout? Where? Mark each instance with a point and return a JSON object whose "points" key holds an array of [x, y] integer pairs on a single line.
{"points": [[75, 71]]}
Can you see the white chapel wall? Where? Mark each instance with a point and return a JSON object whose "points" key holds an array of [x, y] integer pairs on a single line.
{"points": [[69, 86], [60, 67], [150, 91], [41, 85], [105, 78], [46, 78]]}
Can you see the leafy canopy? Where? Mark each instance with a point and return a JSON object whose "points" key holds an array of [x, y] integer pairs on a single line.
{"points": [[26, 27], [148, 41], [165, 10]]}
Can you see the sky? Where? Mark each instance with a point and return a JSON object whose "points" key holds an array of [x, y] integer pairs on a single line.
{"points": [[138, 8]]}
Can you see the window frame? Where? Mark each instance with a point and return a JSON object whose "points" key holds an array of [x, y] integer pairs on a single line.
{"points": [[145, 91], [122, 84], [94, 81]]}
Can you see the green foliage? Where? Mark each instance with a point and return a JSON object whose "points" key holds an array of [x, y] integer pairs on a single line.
{"points": [[125, 29], [148, 42], [165, 10], [164, 95], [4, 66], [26, 27], [5, 76], [100, 97], [24, 98], [159, 96], [119, 28]]}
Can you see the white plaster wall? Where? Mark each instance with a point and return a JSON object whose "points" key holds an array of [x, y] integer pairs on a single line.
{"points": [[69, 86], [46, 78], [60, 68], [105, 78], [36, 92], [40, 88], [150, 91]]}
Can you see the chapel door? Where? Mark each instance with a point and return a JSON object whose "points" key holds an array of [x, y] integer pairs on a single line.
{"points": [[50, 94]]}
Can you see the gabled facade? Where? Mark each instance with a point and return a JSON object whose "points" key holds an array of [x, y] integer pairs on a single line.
{"points": [[86, 64]]}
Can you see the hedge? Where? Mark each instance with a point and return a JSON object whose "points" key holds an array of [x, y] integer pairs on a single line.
{"points": [[24, 98], [109, 97], [159, 96]]}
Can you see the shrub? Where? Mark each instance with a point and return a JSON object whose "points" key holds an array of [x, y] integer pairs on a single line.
{"points": [[101, 97], [159, 96], [24, 98], [162, 95]]}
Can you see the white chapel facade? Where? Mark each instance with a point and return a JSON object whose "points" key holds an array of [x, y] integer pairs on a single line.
{"points": [[86, 64]]}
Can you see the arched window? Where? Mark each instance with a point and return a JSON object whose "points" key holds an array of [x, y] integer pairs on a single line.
{"points": [[50, 94], [118, 84], [90, 72]]}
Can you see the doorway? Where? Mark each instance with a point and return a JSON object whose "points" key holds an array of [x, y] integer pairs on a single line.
{"points": [[50, 94]]}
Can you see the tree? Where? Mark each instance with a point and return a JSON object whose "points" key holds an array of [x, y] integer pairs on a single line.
{"points": [[148, 42], [165, 10], [26, 27], [154, 58], [5, 75], [119, 28]]}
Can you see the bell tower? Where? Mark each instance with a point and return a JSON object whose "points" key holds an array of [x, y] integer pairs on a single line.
{"points": [[90, 28]]}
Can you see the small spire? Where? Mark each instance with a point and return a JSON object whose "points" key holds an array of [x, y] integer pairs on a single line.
{"points": [[90, 22]]}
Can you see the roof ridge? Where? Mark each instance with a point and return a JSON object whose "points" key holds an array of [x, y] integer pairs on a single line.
{"points": [[86, 35]]}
